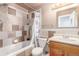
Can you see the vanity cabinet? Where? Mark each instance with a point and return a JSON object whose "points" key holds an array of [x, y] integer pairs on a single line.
{"points": [[62, 49]]}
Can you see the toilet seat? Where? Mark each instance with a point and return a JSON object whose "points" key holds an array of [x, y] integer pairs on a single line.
{"points": [[38, 51]]}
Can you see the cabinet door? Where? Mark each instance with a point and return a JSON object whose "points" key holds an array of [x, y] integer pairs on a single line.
{"points": [[56, 52], [66, 49], [55, 49], [71, 50]]}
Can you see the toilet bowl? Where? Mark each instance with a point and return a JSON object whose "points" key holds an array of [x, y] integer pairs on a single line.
{"points": [[38, 51]]}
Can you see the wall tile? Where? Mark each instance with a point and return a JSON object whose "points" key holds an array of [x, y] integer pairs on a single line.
{"points": [[1, 43], [11, 11]]}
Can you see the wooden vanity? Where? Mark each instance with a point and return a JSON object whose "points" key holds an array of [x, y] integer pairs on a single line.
{"points": [[62, 49]]}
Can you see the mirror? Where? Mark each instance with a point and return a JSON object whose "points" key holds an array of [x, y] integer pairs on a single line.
{"points": [[68, 20]]}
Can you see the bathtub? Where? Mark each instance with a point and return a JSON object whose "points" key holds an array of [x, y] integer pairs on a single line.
{"points": [[15, 49]]}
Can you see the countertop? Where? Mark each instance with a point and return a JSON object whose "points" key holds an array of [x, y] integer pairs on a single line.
{"points": [[67, 41]]}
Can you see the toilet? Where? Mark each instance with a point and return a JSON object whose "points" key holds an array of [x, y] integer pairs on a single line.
{"points": [[38, 51]]}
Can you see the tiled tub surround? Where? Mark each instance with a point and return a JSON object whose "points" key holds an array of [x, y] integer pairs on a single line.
{"points": [[12, 28], [3, 35], [5, 40], [1, 43], [8, 38]]}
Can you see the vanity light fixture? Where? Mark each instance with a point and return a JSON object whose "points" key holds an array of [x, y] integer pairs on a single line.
{"points": [[59, 5]]}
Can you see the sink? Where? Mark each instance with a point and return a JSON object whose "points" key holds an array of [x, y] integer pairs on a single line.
{"points": [[66, 39], [73, 39], [58, 37]]}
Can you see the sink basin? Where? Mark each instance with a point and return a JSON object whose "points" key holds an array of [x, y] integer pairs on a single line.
{"points": [[66, 39], [73, 38], [59, 37]]}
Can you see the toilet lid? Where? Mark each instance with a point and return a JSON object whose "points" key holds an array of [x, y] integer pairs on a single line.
{"points": [[37, 51]]}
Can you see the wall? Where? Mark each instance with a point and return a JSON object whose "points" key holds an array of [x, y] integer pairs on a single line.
{"points": [[16, 19], [49, 20], [48, 16], [69, 11]]}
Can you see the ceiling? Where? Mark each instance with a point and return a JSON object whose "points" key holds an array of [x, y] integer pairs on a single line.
{"points": [[31, 6], [34, 6]]}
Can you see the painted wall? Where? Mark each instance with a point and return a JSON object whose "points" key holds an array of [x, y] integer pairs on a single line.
{"points": [[49, 20], [48, 16]]}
